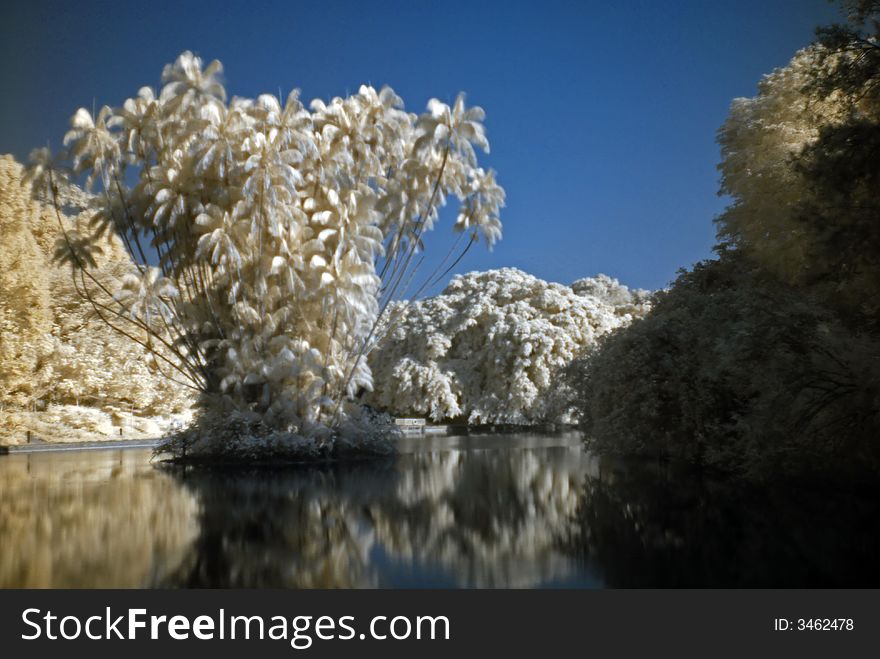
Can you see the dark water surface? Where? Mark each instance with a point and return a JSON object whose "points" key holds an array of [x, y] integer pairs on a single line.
{"points": [[495, 511]]}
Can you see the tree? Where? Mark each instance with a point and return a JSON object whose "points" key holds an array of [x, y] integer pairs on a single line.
{"points": [[767, 360], [759, 142], [25, 317], [800, 161], [735, 370], [53, 351], [489, 348], [842, 166], [268, 239]]}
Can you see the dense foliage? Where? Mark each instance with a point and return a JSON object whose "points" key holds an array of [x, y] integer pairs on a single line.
{"points": [[735, 370], [24, 291], [767, 359], [64, 375], [489, 348], [800, 161], [267, 238]]}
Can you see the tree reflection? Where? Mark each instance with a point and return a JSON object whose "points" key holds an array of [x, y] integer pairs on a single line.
{"points": [[646, 525], [107, 520], [514, 511], [478, 518], [522, 517]]}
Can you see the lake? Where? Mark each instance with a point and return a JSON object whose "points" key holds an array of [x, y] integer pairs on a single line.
{"points": [[521, 510]]}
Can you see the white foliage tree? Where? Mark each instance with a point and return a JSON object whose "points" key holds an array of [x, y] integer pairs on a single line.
{"points": [[269, 238], [25, 317], [760, 141], [55, 355], [488, 349], [799, 162]]}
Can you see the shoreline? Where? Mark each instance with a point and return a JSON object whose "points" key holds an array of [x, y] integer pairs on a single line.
{"points": [[42, 446], [109, 444]]}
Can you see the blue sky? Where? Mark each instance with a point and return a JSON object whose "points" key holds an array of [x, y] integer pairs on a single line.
{"points": [[602, 115]]}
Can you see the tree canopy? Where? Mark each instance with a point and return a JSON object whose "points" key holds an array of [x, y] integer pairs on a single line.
{"points": [[766, 360], [267, 238], [800, 161], [489, 349]]}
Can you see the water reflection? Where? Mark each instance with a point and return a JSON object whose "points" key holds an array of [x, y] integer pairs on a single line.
{"points": [[653, 526], [487, 516], [512, 511], [103, 519]]}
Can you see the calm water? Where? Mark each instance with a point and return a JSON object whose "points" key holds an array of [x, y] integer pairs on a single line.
{"points": [[496, 511]]}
